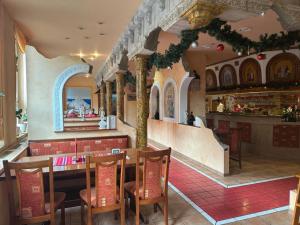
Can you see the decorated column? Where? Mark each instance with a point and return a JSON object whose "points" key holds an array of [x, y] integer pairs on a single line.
{"points": [[108, 85], [120, 95], [102, 96], [141, 99]]}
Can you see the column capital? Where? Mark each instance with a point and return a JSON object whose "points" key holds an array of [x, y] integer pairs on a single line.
{"points": [[202, 12]]}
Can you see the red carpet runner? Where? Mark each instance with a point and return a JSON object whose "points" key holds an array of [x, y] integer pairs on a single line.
{"points": [[222, 203]]}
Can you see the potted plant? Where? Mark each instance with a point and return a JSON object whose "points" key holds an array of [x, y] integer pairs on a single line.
{"points": [[289, 114]]}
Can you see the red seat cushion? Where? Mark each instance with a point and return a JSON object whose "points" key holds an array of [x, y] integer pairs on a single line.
{"points": [[83, 196]]}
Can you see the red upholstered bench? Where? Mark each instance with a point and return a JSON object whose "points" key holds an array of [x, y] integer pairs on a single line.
{"points": [[52, 147]]}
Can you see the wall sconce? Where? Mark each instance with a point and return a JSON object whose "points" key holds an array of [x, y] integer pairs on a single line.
{"points": [[2, 94]]}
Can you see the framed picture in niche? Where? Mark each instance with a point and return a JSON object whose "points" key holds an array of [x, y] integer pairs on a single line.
{"points": [[211, 79], [283, 67], [250, 72], [227, 76]]}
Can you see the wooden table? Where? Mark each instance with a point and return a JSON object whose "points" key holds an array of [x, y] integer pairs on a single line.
{"points": [[71, 178]]}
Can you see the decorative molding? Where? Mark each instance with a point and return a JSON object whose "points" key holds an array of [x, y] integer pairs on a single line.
{"points": [[58, 118], [167, 15], [202, 12]]}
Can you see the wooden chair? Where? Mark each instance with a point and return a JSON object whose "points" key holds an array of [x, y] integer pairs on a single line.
{"points": [[234, 142], [106, 196], [34, 205], [152, 190], [297, 205]]}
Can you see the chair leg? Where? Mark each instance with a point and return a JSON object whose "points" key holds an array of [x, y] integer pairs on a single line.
{"points": [[89, 216], [122, 214], [166, 211], [63, 214], [137, 212], [126, 205], [82, 212], [155, 208]]}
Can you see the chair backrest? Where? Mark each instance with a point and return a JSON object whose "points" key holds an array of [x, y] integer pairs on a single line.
{"points": [[30, 186], [155, 170], [235, 140], [106, 168]]}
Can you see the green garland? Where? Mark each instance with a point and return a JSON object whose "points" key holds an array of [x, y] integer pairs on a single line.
{"points": [[223, 32]]}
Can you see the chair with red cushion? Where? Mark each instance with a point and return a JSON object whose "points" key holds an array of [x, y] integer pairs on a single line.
{"points": [[106, 196], [153, 187], [35, 206]]}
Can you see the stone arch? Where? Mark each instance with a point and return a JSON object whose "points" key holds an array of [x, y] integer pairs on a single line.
{"points": [[62, 78], [183, 96], [155, 100], [170, 83]]}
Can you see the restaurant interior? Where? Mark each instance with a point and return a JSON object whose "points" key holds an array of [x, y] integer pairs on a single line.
{"points": [[194, 103]]}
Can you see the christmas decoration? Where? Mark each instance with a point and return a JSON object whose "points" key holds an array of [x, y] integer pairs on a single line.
{"points": [[261, 56], [223, 32], [220, 47]]}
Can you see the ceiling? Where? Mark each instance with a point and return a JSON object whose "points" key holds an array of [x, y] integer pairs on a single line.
{"points": [[68, 27]]}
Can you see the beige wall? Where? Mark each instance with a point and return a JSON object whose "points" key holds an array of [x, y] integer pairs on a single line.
{"points": [[86, 82], [130, 112], [196, 143], [8, 76]]}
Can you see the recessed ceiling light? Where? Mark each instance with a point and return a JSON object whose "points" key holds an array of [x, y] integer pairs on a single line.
{"points": [[96, 54], [101, 23], [67, 38], [245, 29], [206, 46], [92, 58], [81, 28], [102, 34], [86, 37]]}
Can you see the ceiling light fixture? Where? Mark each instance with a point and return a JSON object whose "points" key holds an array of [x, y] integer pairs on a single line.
{"points": [[86, 37], [81, 54], [81, 28], [102, 34], [245, 29], [100, 23], [96, 54], [92, 58], [194, 44], [67, 38]]}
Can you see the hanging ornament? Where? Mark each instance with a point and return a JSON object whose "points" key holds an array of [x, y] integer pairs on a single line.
{"points": [[220, 47], [261, 56]]}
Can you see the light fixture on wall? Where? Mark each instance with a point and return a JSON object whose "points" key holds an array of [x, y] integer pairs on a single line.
{"points": [[2, 94]]}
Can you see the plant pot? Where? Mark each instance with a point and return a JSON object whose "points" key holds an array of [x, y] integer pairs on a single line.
{"points": [[23, 127]]}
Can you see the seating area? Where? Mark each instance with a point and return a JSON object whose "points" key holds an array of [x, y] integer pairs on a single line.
{"points": [[150, 112], [52, 147]]}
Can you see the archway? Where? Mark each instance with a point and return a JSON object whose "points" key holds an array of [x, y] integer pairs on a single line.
{"points": [[58, 123], [183, 97], [155, 101]]}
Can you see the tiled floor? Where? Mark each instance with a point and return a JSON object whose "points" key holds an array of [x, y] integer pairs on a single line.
{"points": [[180, 213], [222, 203], [254, 169]]}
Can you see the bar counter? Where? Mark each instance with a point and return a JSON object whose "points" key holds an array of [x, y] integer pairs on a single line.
{"points": [[262, 135]]}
